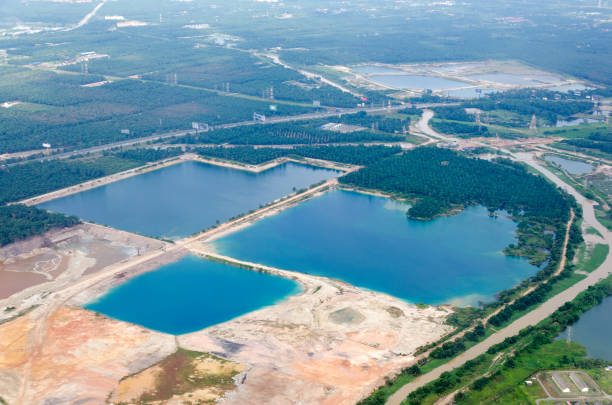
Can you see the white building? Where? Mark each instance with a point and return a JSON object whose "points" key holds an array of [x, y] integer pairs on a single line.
{"points": [[563, 387], [579, 382]]}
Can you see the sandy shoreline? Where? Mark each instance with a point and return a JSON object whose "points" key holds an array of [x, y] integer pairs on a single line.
{"points": [[377, 332], [270, 210], [274, 163], [337, 341]]}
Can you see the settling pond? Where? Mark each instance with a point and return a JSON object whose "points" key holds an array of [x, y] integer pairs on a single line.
{"points": [[572, 166], [369, 242], [190, 295], [397, 79], [185, 198], [593, 330], [519, 79], [417, 82]]}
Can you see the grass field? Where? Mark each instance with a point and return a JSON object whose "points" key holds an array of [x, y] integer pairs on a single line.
{"points": [[596, 258]]}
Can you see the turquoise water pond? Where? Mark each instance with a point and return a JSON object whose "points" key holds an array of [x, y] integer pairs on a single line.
{"points": [[190, 295], [185, 198], [593, 330], [368, 241]]}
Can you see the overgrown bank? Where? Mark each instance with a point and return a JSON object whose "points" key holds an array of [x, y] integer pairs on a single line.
{"points": [[19, 222], [358, 155], [441, 181], [532, 350]]}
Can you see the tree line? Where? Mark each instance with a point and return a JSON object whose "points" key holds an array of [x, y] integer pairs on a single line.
{"points": [[18, 222], [34, 178], [69, 116], [145, 155], [460, 129], [526, 102], [598, 140], [282, 134], [449, 178], [359, 154]]}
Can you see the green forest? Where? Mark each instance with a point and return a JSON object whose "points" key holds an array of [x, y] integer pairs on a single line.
{"points": [[450, 178], [18, 222], [527, 102], [56, 109], [358, 155], [283, 134], [460, 129], [145, 155], [598, 141], [26, 180], [531, 350], [30, 179], [376, 122]]}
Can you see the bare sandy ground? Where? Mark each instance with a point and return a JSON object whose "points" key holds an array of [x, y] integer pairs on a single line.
{"points": [[32, 269], [331, 343], [274, 163], [81, 359]]}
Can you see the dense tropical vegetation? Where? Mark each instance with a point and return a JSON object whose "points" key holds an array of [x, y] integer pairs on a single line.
{"points": [[598, 141], [376, 122], [145, 155], [55, 108], [452, 179], [459, 129], [528, 102], [441, 181], [284, 134], [30, 179], [532, 350], [18, 222], [359, 155]]}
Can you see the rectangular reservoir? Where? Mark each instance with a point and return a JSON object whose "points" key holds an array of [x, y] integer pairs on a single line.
{"points": [[191, 294], [183, 199]]}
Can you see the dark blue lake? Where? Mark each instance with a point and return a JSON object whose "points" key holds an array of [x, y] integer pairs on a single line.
{"points": [[594, 330], [190, 295], [186, 198], [369, 242]]}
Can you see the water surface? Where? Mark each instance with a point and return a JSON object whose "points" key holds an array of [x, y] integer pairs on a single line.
{"points": [[190, 295], [518, 79], [593, 330], [185, 198], [419, 82], [572, 166], [369, 242], [576, 121]]}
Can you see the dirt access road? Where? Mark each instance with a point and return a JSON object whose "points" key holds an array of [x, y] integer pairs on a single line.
{"points": [[538, 314]]}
